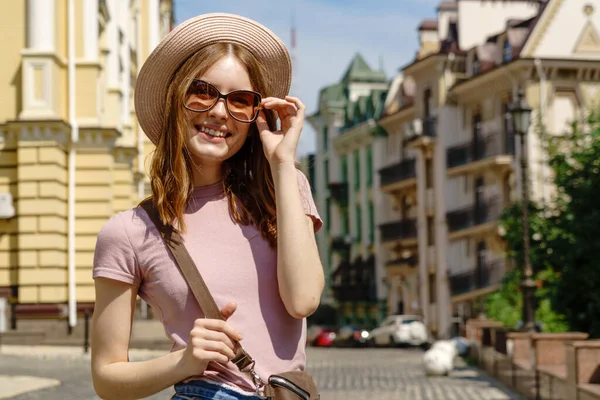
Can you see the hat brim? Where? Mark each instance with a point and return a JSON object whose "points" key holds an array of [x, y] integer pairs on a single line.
{"points": [[189, 37]]}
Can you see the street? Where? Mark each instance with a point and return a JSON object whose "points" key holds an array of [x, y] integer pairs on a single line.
{"points": [[341, 374]]}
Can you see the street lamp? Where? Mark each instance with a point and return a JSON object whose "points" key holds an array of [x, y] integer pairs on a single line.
{"points": [[521, 119]]}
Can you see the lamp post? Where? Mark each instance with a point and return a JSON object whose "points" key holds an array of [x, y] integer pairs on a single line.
{"points": [[521, 119]]}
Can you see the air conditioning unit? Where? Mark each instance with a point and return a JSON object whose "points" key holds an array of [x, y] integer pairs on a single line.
{"points": [[7, 209]]}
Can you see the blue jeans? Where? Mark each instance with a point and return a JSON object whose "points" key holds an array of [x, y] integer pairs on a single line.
{"points": [[203, 390]]}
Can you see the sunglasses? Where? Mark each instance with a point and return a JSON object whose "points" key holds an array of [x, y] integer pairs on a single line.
{"points": [[242, 105]]}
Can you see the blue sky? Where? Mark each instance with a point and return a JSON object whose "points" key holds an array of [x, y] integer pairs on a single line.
{"points": [[328, 34]]}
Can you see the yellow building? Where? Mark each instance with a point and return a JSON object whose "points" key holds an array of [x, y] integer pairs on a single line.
{"points": [[71, 151]]}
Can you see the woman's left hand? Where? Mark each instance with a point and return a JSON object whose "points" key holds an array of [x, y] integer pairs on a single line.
{"points": [[280, 146]]}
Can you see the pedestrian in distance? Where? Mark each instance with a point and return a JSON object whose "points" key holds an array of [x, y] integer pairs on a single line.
{"points": [[213, 99]]}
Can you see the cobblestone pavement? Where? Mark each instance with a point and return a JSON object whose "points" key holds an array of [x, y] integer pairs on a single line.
{"points": [[341, 374]]}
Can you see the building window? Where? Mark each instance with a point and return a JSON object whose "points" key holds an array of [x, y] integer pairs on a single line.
{"points": [[370, 166], [507, 56], [430, 231], [356, 170], [345, 223], [328, 213], [344, 168], [476, 66], [427, 102], [428, 173], [371, 223], [325, 138], [358, 216], [478, 143], [432, 291]]}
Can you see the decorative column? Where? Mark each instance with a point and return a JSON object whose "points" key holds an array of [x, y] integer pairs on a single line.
{"points": [[89, 68], [445, 119], [39, 65], [423, 276], [379, 154]]}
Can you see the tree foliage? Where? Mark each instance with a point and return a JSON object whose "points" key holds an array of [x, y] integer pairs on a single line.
{"points": [[565, 239]]}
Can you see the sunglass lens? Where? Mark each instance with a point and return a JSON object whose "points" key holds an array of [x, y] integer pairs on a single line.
{"points": [[201, 96], [243, 105]]}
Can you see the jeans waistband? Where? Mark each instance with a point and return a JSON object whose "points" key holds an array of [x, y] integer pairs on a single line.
{"points": [[212, 390]]}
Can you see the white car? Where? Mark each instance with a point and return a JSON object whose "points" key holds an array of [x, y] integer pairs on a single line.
{"points": [[398, 330]]}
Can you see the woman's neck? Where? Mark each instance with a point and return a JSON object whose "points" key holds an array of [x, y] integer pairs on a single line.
{"points": [[207, 175]]}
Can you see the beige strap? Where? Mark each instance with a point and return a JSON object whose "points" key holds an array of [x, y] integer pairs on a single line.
{"points": [[174, 242]]}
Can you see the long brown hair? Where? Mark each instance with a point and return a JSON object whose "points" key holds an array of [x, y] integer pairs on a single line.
{"points": [[248, 183]]}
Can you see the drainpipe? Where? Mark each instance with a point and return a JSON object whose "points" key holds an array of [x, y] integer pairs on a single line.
{"points": [[71, 169], [543, 79]]}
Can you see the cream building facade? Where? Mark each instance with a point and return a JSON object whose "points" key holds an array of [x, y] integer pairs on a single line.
{"points": [[71, 151], [346, 189], [450, 162]]}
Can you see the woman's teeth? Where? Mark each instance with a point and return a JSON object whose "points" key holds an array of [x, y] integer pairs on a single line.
{"points": [[212, 132]]}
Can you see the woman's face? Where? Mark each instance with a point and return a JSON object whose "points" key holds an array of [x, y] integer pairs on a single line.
{"points": [[227, 75]]}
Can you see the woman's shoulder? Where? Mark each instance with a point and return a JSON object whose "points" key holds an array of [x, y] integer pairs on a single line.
{"points": [[133, 224]]}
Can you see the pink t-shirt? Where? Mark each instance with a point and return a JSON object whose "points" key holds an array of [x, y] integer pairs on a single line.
{"points": [[237, 265]]}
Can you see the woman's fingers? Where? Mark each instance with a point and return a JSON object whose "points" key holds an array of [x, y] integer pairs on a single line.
{"points": [[215, 346]]}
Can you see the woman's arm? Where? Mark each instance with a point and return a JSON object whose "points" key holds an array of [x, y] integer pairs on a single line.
{"points": [[113, 375], [299, 268]]}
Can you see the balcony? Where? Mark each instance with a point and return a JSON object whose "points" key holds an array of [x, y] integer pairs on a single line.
{"points": [[341, 245], [473, 219], [398, 176], [403, 230], [355, 281], [478, 281], [411, 261], [426, 135], [339, 193], [493, 149]]}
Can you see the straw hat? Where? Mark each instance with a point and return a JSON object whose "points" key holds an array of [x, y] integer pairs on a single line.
{"points": [[185, 40]]}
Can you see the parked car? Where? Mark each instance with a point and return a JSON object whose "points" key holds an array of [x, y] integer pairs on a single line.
{"points": [[396, 330], [324, 338], [351, 336]]}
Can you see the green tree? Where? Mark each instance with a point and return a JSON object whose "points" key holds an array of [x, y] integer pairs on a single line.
{"points": [[506, 304], [575, 160], [565, 239]]}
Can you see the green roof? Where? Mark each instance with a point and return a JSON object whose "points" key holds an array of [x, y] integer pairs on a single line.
{"points": [[359, 71], [333, 93]]}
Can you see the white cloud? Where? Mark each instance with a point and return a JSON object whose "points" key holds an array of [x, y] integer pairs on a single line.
{"points": [[329, 35]]}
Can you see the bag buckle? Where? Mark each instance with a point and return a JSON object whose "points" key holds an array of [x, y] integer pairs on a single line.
{"points": [[259, 384]]}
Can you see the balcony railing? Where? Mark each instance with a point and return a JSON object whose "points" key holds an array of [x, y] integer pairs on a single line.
{"points": [[355, 281], [339, 193], [486, 275], [474, 215], [490, 145], [429, 125], [398, 230], [428, 129], [398, 172], [412, 261], [341, 245]]}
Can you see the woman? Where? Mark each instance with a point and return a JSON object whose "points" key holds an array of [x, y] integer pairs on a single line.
{"points": [[208, 98]]}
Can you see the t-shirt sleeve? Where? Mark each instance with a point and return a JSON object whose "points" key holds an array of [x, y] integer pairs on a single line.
{"points": [[114, 257], [308, 202]]}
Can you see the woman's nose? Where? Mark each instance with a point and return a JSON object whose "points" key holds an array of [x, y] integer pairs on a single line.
{"points": [[219, 110]]}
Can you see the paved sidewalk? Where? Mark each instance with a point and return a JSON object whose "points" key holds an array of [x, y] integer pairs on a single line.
{"points": [[14, 385], [341, 374]]}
